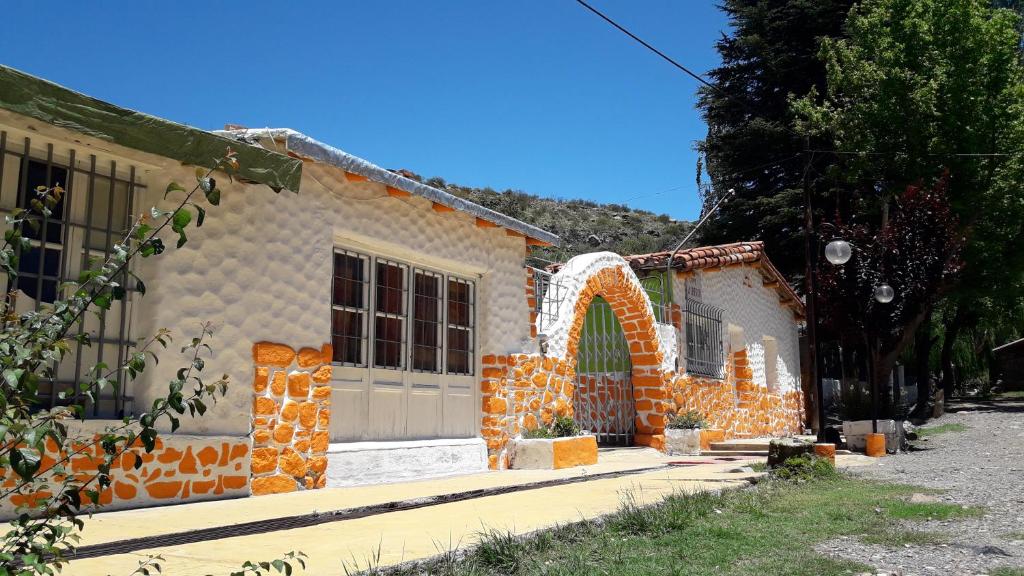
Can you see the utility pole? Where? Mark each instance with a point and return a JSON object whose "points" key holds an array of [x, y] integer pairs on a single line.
{"points": [[811, 297]]}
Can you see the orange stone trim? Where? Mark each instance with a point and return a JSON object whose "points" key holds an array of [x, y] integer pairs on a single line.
{"points": [[291, 418], [481, 223], [441, 208], [396, 193], [353, 177]]}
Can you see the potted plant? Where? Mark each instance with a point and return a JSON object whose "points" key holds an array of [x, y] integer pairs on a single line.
{"points": [[682, 433]]}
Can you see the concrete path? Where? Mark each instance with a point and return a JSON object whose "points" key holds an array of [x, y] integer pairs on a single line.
{"points": [[394, 537]]}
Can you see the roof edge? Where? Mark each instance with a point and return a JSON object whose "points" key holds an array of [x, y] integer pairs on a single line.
{"points": [[307, 147], [34, 97]]}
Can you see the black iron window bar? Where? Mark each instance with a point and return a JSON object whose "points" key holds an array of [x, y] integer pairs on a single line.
{"points": [[704, 354], [109, 204]]}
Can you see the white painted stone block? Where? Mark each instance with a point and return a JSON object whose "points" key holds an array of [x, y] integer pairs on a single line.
{"points": [[682, 441], [358, 463]]}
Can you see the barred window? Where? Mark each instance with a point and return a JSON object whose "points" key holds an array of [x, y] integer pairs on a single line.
{"points": [[460, 326], [389, 315], [349, 303], [416, 319], [704, 340], [93, 214], [426, 322]]}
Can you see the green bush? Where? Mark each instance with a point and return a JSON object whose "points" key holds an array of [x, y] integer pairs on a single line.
{"points": [[687, 421], [561, 427], [805, 469]]}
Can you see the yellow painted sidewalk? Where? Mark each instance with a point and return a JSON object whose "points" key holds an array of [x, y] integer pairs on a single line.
{"points": [[399, 536]]}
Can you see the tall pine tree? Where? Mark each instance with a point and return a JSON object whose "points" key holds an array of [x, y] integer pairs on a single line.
{"points": [[771, 55]]}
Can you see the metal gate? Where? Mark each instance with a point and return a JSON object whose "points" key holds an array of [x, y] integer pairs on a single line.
{"points": [[603, 402]]}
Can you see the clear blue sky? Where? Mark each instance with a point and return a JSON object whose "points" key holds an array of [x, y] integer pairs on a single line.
{"points": [[538, 95]]}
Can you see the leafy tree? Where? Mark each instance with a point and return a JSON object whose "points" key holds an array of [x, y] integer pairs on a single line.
{"points": [[770, 56], [36, 446], [919, 88]]}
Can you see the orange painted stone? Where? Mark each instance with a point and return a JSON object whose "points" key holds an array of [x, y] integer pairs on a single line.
{"points": [[264, 405], [307, 414], [235, 482], [202, 486], [261, 436], [320, 440], [530, 422], [309, 357], [875, 445], [277, 385], [292, 463], [163, 490], [272, 354], [321, 392], [259, 381], [579, 451], [207, 456], [188, 463], [298, 384], [495, 405], [124, 490], [826, 451], [318, 464], [278, 484], [322, 375], [263, 460], [283, 433], [323, 418], [290, 411], [167, 456]]}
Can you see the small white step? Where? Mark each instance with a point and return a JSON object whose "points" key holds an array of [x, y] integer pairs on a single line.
{"points": [[360, 463]]}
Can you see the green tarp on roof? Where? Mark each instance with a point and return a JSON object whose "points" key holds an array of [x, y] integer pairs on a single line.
{"points": [[48, 102]]}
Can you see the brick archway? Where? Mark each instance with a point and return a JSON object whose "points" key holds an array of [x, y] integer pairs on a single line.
{"points": [[609, 276]]}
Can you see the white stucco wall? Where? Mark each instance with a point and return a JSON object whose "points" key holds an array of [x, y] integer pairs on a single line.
{"points": [[260, 269], [757, 310]]}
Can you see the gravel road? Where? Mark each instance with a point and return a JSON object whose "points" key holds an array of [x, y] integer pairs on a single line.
{"points": [[982, 466]]}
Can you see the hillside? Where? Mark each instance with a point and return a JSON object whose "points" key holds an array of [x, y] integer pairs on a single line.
{"points": [[584, 226]]}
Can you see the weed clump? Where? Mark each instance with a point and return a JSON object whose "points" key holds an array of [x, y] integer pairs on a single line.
{"points": [[806, 468]]}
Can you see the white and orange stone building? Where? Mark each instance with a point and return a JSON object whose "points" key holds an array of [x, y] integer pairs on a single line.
{"points": [[374, 328]]}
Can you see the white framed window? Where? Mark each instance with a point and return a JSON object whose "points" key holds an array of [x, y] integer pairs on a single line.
{"points": [[427, 338], [461, 312], [388, 314], [93, 214], [349, 308]]}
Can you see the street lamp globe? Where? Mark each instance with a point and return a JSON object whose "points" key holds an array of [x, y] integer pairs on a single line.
{"points": [[884, 293], [838, 252]]}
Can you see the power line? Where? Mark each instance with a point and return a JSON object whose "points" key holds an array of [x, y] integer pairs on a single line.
{"points": [[675, 63]]}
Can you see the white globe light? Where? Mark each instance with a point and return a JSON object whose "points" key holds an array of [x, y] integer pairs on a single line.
{"points": [[838, 252], [884, 293]]}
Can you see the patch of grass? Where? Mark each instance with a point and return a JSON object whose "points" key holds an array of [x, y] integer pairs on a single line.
{"points": [[941, 429], [805, 468], [769, 529], [1011, 395], [929, 510], [759, 466], [1007, 571], [1015, 535]]}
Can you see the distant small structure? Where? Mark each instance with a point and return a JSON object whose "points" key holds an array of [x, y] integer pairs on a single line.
{"points": [[1010, 364]]}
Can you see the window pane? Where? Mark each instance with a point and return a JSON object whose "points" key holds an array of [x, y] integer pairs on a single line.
{"points": [[388, 343], [390, 288], [103, 216], [426, 319], [36, 176], [458, 351], [347, 334], [459, 303], [349, 278]]}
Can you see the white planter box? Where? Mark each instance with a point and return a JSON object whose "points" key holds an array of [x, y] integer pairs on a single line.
{"points": [[682, 441], [856, 434]]}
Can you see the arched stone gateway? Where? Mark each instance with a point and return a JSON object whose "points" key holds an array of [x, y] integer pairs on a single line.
{"points": [[523, 391]]}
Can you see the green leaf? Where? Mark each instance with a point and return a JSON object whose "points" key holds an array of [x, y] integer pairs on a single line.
{"points": [[173, 186], [213, 197], [103, 300], [200, 216], [181, 219], [25, 462]]}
